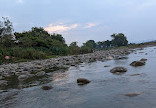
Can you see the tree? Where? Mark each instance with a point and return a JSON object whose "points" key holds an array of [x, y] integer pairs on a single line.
{"points": [[74, 48], [91, 44], [6, 27], [6, 32], [119, 40]]}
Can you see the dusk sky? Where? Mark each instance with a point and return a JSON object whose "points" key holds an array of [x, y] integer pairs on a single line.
{"points": [[82, 20]]}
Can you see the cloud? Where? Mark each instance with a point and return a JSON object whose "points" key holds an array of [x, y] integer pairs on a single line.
{"points": [[20, 1], [145, 5], [90, 25], [60, 28]]}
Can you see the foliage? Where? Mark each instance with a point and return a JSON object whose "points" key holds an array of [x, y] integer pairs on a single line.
{"points": [[39, 44], [119, 40], [74, 48], [6, 36]]}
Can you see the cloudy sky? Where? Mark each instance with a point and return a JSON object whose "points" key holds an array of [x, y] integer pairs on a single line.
{"points": [[81, 20]]}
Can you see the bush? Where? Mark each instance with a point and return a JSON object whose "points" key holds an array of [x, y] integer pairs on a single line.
{"points": [[28, 53]]}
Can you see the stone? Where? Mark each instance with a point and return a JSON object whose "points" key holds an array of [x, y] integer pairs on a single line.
{"points": [[1, 77], [3, 84], [143, 59], [135, 74], [23, 77], [109, 58], [137, 63], [82, 81], [46, 87], [118, 70], [107, 66], [132, 94], [39, 74]]}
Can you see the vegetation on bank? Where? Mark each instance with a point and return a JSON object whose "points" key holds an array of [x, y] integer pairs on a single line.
{"points": [[39, 44]]}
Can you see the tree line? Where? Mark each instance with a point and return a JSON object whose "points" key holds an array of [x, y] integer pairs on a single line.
{"points": [[39, 44]]}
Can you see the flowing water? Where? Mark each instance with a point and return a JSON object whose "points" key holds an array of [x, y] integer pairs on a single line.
{"points": [[106, 90]]}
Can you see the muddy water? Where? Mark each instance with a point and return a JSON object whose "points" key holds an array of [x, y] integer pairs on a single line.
{"points": [[106, 90]]}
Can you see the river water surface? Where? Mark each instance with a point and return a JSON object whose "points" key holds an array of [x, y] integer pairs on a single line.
{"points": [[106, 90]]}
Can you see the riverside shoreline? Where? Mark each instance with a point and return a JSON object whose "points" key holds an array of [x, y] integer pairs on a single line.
{"points": [[13, 75]]}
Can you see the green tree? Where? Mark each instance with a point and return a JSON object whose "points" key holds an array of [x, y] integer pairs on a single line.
{"points": [[74, 48], [119, 40], [6, 33], [91, 44]]}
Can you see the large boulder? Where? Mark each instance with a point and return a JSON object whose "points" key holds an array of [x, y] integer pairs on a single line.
{"points": [[118, 70], [82, 81], [137, 63]]}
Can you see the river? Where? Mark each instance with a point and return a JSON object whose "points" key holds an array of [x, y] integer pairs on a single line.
{"points": [[106, 90]]}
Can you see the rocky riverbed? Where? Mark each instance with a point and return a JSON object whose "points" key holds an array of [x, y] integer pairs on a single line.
{"points": [[88, 84], [27, 74]]}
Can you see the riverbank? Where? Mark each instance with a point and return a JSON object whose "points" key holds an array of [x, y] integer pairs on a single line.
{"points": [[129, 89], [27, 74]]}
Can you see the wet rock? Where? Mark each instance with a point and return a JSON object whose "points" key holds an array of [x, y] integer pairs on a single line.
{"points": [[46, 87], [143, 59], [137, 63], [82, 81], [39, 74], [118, 70], [132, 94], [121, 57], [3, 84], [135, 74], [107, 66]]}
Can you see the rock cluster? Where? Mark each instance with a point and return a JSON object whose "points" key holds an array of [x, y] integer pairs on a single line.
{"points": [[139, 63], [38, 68]]}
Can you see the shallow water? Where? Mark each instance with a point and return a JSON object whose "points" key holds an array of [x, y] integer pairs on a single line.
{"points": [[106, 90]]}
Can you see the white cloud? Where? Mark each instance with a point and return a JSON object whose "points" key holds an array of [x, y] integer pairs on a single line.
{"points": [[20, 1], [90, 25], [60, 28]]}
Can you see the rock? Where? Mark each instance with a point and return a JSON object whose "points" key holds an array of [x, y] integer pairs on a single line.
{"points": [[121, 57], [1, 77], [3, 84], [25, 69], [107, 66], [118, 70], [141, 52], [143, 59], [132, 94], [39, 74], [39, 67], [46, 87], [137, 63], [82, 81], [23, 77], [109, 58], [135, 74]]}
